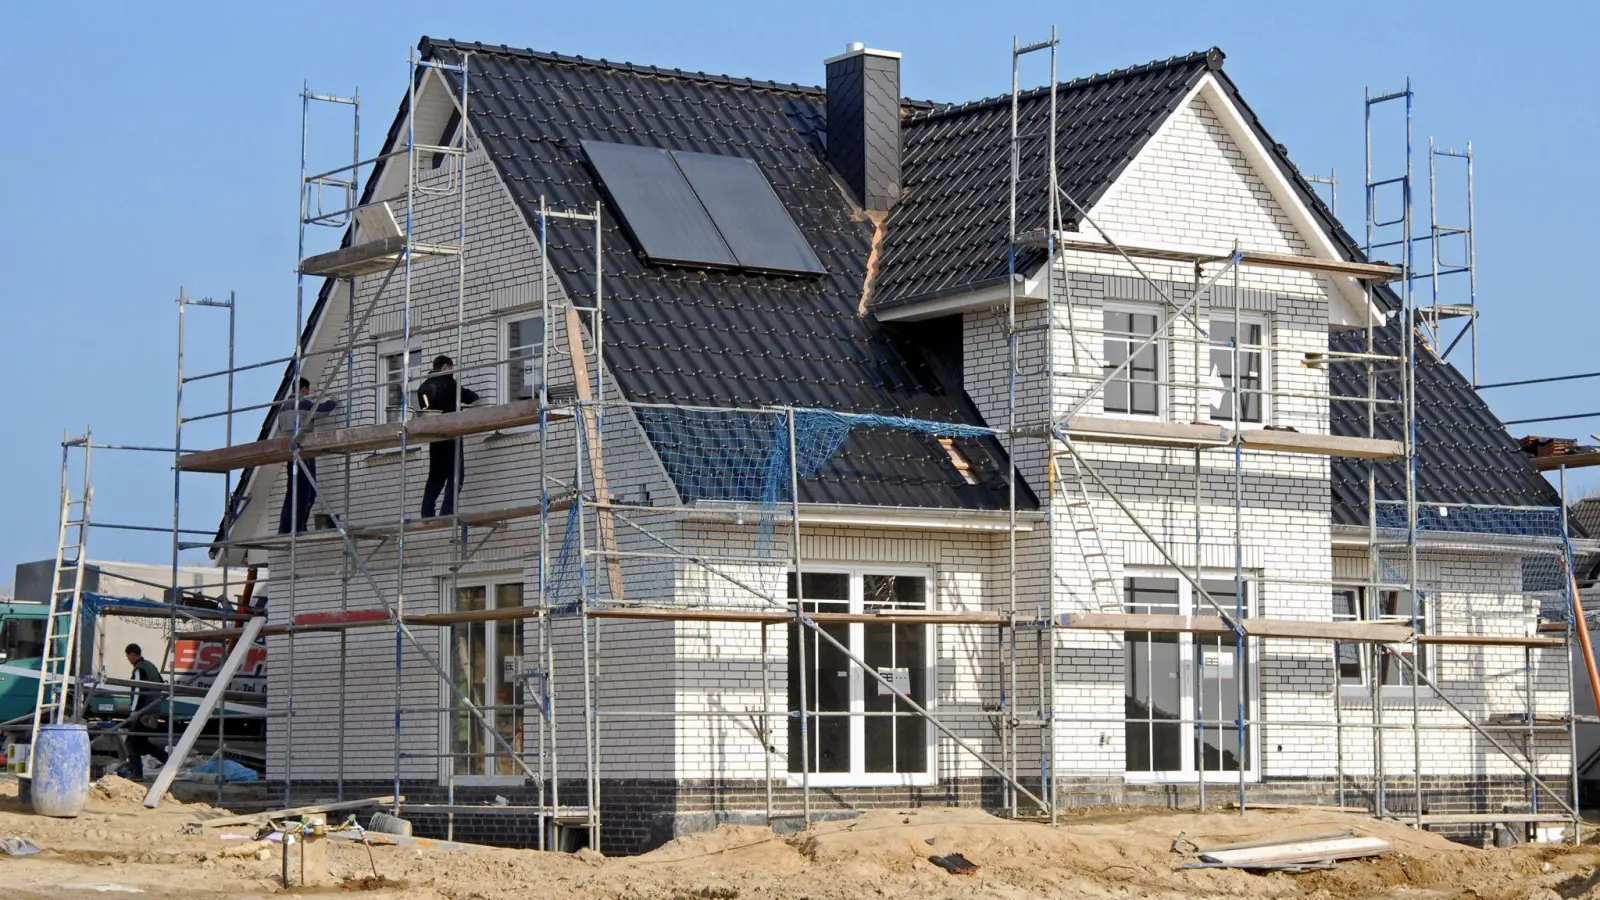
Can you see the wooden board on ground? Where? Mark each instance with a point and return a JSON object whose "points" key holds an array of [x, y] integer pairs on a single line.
{"points": [[1300, 852], [269, 815]]}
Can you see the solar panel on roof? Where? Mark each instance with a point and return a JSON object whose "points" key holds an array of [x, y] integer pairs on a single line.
{"points": [[658, 206], [753, 221]]}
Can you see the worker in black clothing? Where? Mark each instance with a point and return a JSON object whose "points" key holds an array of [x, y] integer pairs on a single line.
{"points": [[446, 468], [300, 489], [140, 745]]}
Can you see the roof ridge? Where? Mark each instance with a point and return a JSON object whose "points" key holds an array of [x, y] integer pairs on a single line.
{"points": [[427, 45], [1212, 57]]}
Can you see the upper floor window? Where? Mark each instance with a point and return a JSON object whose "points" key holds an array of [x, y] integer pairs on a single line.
{"points": [[1394, 670], [1250, 336], [1134, 388], [393, 385], [521, 346]]}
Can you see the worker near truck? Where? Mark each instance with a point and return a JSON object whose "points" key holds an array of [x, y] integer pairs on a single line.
{"points": [[446, 468], [139, 743], [298, 416]]}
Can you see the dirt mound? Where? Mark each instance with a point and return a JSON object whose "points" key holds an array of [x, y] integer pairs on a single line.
{"points": [[1103, 855], [118, 793]]}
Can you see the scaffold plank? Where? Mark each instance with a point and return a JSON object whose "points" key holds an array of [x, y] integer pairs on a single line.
{"points": [[383, 528], [778, 616], [1320, 444], [1294, 629], [371, 618], [370, 257], [1481, 818], [1377, 271], [1489, 640], [361, 438], [1149, 433], [1567, 461], [474, 519], [1145, 432]]}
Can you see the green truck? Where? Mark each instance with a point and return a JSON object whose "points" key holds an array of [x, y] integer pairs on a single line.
{"points": [[22, 649], [21, 646]]}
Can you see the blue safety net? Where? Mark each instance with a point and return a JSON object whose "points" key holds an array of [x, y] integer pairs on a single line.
{"points": [[743, 457], [1504, 521], [738, 458], [563, 590], [1536, 535]]}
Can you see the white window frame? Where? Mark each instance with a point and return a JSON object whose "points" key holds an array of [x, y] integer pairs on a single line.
{"points": [[1191, 604], [1423, 653], [1225, 316], [860, 684], [418, 373], [503, 379], [1162, 346], [448, 600]]}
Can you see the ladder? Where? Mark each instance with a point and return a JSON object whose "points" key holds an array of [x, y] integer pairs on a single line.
{"points": [[1080, 521], [66, 588]]}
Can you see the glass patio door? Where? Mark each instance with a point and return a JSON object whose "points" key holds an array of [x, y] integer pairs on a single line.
{"points": [[858, 726], [486, 664], [1184, 693]]}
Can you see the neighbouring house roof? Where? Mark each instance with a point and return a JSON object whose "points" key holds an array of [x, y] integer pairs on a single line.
{"points": [[1464, 454], [732, 338], [950, 231]]}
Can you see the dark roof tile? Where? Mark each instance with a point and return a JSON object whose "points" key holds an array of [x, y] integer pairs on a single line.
{"points": [[950, 230], [684, 336]]}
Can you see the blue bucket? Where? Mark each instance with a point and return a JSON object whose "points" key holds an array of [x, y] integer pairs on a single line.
{"points": [[60, 770]]}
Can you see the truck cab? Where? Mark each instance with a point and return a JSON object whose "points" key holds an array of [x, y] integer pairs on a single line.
{"points": [[21, 651]]}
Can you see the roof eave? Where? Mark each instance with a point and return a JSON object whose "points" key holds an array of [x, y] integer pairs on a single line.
{"points": [[962, 299]]}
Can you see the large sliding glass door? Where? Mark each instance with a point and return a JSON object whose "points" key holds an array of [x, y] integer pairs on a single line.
{"points": [[1184, 693]]}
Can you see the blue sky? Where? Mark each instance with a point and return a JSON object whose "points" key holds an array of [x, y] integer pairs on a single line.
{"points": [[157, 145]]}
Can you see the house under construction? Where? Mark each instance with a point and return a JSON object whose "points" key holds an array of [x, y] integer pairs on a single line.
{"points": [[834, 450]]}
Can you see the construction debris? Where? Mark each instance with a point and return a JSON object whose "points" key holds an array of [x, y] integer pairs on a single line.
{"points": [[1293, 852], [383, 823], [955, 864], [269, 815], [18, 846]]}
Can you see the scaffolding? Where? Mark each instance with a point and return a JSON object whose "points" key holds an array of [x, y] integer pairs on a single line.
{"points": [[612, 554]]}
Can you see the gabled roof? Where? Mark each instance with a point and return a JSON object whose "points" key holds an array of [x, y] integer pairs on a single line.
{"points": [[949, 235], [691, 337], [688, 337], [950, 231]]}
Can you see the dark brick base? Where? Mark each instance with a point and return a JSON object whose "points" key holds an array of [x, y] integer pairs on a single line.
{"points": [[637, 815]]}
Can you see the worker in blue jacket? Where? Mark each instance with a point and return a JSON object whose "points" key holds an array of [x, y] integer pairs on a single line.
{"points": [[299, 416]]}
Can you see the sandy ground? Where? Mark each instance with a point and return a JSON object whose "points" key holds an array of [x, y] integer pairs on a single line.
{"points": [[118, 847]]}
